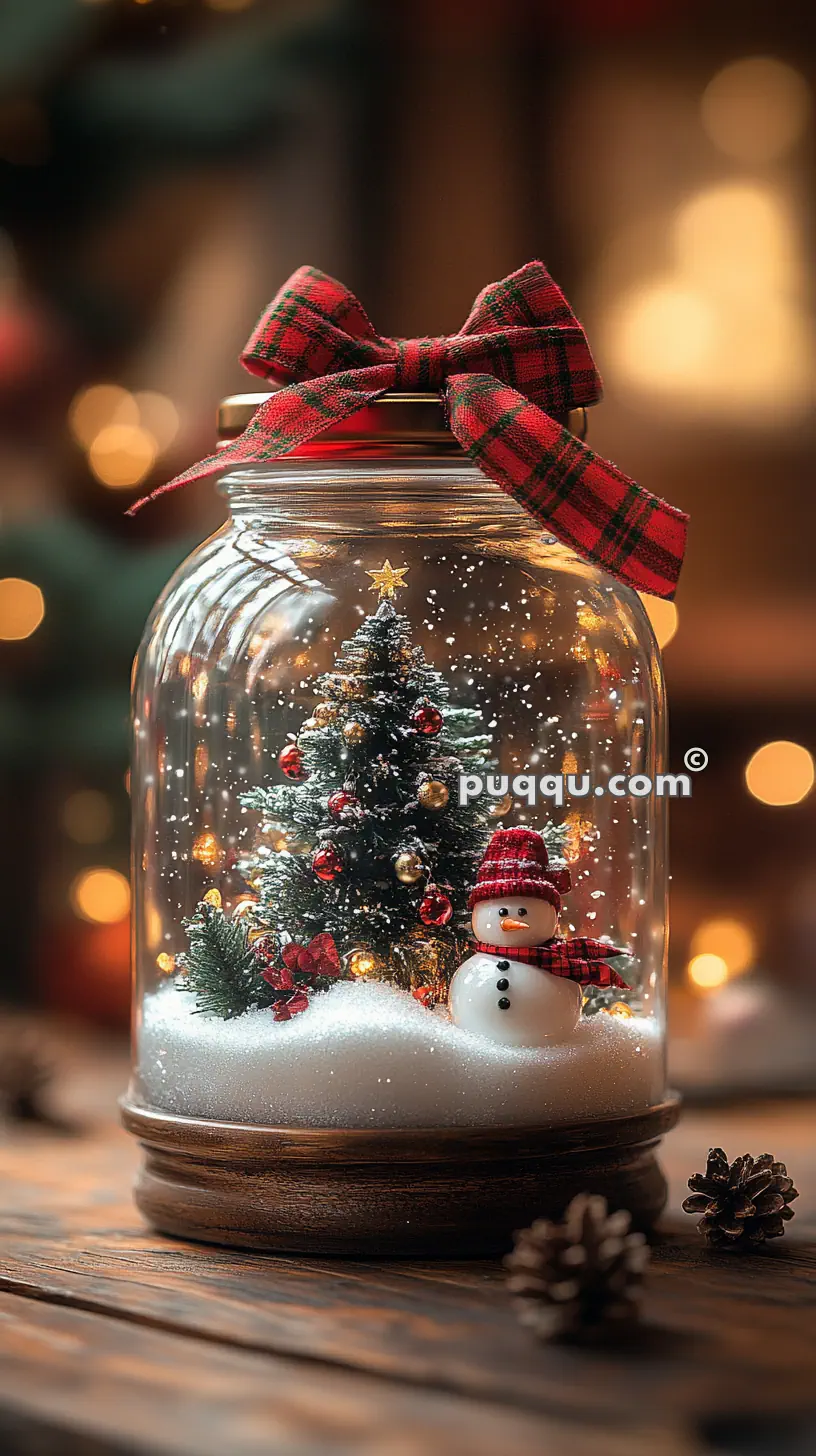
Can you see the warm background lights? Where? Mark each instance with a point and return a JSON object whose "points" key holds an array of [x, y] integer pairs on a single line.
{"points": [[780, 773], [123, 433], [727, 939], [756, 109], [663, 617], [707, 971], [22, 608], [101, 896], [87, 816], [97, 407], [122, 455]]}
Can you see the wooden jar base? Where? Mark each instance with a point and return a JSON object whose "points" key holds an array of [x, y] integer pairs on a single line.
{"points": [[437, 1191]]}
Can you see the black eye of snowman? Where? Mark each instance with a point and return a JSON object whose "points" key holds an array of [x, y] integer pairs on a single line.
{"points": [[521, 913], [503, 911]]}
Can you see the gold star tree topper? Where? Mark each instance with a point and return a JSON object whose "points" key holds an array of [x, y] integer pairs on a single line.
{"points": [[388, 580]]}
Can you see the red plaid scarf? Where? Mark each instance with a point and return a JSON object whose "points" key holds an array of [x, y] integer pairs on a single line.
{"points": [[521, 358], [579, 959]]}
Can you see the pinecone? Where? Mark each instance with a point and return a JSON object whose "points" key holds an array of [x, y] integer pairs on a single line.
{"points": [[572, 1278], [25, 1073], [743, 1203]]}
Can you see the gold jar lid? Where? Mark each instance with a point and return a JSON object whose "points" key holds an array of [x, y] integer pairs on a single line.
{"points": [[402, 423]]}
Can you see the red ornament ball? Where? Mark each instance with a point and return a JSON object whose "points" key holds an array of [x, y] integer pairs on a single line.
{"points": [[290, 760], [341, 801], [266, 949], [328, 863], [435, 908], [427, 719]]}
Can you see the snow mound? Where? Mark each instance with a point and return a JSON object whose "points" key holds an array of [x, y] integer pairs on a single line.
{"points": [[368, 1055]]}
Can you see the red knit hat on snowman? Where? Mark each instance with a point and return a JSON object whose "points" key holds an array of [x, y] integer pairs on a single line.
{"points": [[516, 865]]}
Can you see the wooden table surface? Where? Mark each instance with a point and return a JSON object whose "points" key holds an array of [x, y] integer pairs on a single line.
{"points": [[115, 1339]]}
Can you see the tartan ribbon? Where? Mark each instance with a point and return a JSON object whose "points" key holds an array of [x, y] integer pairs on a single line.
{"points": [[520, 359], [579, 959]]}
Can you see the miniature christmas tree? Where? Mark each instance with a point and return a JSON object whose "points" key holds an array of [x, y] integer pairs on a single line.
{"points": [[380, 853]]}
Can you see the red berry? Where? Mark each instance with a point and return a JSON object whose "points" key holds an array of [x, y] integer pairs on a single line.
{"points": [[290, 760], [427, 719], [266, 949], [328, 863], [340, 801], [436, 908]]}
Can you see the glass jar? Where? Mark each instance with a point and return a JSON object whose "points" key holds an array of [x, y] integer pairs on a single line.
{"points": [[374, 665]]}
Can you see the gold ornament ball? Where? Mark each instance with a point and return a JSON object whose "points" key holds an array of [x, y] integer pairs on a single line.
{"points": [[324, 713], [246, 907], [354, 732], [621, 1009], [354, 687], [433, 794], [213, 897], [501, 807], [408, 868], [363, 963]]}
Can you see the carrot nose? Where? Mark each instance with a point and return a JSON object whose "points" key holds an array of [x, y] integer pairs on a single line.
{"points": [[509, 924]]}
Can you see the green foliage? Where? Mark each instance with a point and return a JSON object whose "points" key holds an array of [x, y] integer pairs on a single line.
{"points": [[220, 966], [379, 680]]}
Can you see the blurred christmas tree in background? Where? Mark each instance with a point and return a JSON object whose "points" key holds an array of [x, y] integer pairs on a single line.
{"points": [[123, 129]]}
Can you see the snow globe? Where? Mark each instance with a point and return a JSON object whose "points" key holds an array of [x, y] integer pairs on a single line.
{"points": [[395, 749]]}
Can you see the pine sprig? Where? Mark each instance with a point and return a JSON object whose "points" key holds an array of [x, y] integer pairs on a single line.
{"points": [[220, 966]]}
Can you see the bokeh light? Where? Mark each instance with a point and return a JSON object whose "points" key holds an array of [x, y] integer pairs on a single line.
{"points": [[729, 939], [707, 971], [663, 616], [101, 895], [724, 333], [87, 816], [98, 406], [22, 608], [780, 773], [756, 109], [734, 237], [121, 456], [206, 849], [158, 415], [124, 433], [664, 332]]}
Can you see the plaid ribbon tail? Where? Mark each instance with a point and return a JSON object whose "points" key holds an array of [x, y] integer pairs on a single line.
{"points": [[288, 419], [581, 498], [598, 973]]}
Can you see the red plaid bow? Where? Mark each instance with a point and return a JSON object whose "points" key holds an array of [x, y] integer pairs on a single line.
{"points": [[521, 358], [580, 959]]}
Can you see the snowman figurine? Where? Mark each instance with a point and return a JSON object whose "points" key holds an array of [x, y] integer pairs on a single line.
{"points": [[522, 987]]}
